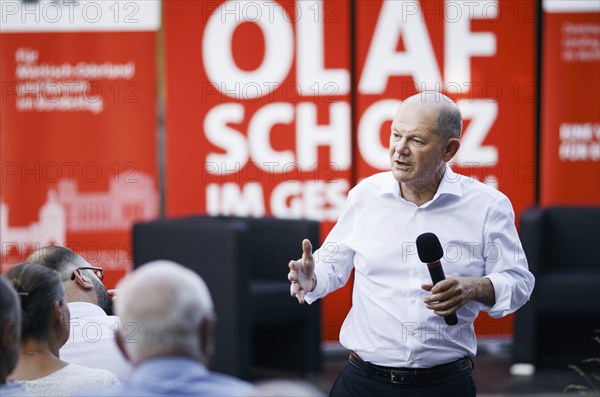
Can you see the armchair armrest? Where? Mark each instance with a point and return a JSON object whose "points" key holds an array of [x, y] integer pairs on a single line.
{"points": [[532, 232]]}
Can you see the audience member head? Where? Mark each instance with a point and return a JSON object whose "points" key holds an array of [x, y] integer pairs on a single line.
{"points": [[44, 311], [10, 326], [165, 309], [79, 279], [287, 387]]}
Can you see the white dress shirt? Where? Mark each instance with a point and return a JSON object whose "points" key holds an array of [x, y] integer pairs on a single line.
{"points": [[389, 323], [92, 340]]}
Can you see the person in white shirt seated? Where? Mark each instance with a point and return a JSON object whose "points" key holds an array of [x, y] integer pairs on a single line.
{"points": [[44, 329], [400, 343], [92, 341], [10, 339]]}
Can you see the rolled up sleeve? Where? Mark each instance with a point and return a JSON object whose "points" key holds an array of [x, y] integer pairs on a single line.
{"points": [[506, 265], [334, 261]]}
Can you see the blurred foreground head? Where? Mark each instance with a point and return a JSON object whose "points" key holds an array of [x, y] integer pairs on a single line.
{"points": [[10, 326], [287, 387], [165, 310]]}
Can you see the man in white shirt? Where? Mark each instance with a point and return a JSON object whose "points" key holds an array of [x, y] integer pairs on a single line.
{"points": [[92, 332], [399, 342]]}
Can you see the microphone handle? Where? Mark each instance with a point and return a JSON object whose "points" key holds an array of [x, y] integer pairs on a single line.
{"points": [[437, 274]]}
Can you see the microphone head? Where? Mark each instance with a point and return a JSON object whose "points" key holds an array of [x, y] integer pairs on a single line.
{"points": [[429, 248]]}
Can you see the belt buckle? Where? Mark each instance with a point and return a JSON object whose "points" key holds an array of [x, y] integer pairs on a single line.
{"points": [[401, 378]]}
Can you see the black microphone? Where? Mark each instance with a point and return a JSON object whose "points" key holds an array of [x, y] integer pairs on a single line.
{"points": [[430, 252]]}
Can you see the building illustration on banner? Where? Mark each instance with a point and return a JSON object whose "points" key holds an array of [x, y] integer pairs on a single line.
{"points": [[123, 204], [50, 227], [67, 210]]}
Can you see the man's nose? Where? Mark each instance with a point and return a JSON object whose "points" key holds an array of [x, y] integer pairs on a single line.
{"points": [[402, 147]]}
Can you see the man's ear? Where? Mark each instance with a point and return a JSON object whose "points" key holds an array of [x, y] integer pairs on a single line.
{"points": [[81, 280], [207, 334], [121, 344], [451, 148]]}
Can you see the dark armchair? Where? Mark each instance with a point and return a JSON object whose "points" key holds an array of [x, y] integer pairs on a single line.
{"points": [[562, 245], [244, 263]]}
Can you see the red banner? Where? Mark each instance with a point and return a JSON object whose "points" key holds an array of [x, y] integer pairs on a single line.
{"points": [[570, 135], [258, 113], [78, 128], [259, 106]]}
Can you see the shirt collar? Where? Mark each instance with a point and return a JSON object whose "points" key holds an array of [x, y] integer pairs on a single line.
{"points": [[448, 185], [85, 309], [390, 186], [168, 366]]}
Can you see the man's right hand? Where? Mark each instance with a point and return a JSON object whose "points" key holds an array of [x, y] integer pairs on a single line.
{"points": [[302, 273]]}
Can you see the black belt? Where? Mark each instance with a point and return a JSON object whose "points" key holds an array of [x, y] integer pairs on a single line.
{"points": [[408, 376]]}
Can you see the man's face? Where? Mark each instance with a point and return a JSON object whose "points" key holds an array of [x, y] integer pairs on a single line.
{"points": [[415, 149]]}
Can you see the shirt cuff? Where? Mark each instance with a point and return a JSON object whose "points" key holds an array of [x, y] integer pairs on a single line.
{"points": [[502, 295], [320, 290]]}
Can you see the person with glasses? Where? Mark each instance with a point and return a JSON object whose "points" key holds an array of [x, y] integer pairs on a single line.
{"points": [[92, 341], [44, 329]]}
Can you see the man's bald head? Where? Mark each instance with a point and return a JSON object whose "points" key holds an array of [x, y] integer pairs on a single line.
{"points": [[61, 259], [448, 122], [81, 285], [167, 305]]}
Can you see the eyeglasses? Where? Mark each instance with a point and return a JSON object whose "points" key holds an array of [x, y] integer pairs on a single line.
{"points": [[97, 271]]}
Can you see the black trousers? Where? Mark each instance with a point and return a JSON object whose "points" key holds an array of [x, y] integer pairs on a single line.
{"points": [[355, 382]]}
